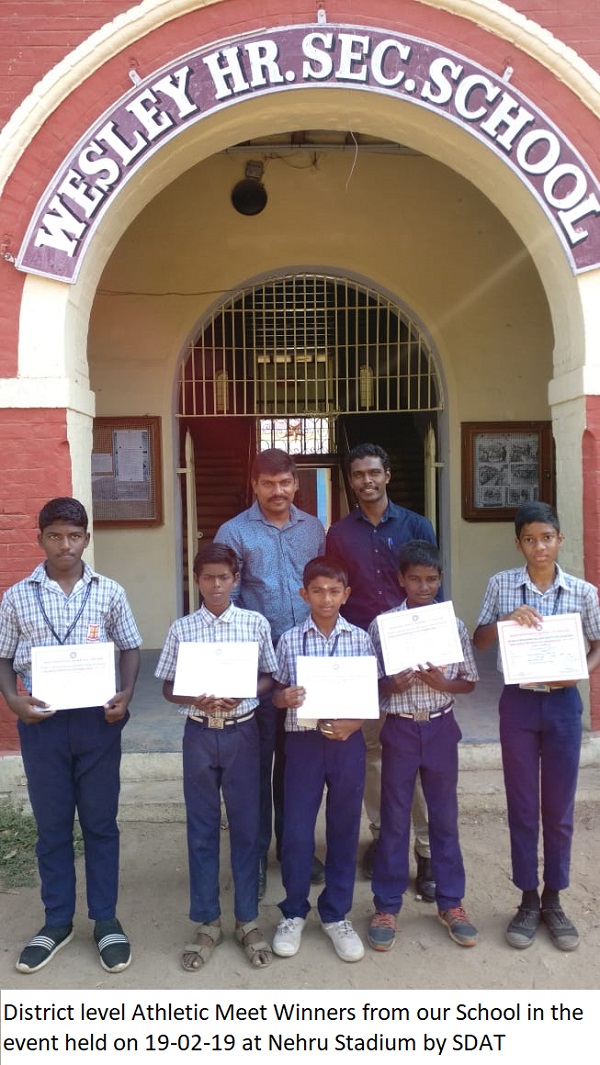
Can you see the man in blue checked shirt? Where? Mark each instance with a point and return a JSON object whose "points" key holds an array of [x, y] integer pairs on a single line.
{"points": [[273, 541], [71, 757], [540, 725]]}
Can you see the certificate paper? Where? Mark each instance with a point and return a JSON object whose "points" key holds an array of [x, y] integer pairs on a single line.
{"points": [[73, 675], [413, 637], [337, 687], [227, 670], [555, 651]]}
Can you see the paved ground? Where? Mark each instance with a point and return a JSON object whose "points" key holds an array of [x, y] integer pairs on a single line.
{"points": [[153, 908]]}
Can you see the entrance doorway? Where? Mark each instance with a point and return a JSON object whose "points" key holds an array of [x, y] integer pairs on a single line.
{"points": [[313, 364]]}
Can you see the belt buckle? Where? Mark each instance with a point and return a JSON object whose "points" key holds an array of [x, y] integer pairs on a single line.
{"points": [[536, 687], [216, 722], [420, 715]]}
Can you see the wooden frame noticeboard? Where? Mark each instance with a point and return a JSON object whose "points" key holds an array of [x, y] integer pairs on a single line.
{"points": [[505, 464], [126, 471]]}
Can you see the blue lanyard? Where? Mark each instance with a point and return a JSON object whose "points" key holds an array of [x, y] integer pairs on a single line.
{"points": [[47, 619], [330, 653], [556, 597]]}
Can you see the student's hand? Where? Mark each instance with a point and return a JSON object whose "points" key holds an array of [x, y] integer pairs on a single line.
{"points": [[340, 728], [433, 677], [229, 704], [525, 615], [29, 709], [294, 696], [403, 681], [116, 708], [207, 704]]}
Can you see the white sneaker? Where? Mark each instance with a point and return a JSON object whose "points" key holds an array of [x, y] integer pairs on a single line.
{"points": [[286, 941], [347, 944]]}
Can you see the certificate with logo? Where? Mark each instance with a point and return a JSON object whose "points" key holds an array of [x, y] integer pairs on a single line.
{"points": [[555, 651], [413, 637], [226, 670], [73, 675], [337, 687]]}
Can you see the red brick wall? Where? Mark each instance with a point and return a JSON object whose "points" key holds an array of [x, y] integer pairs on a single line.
{"points": [[35, 467]]}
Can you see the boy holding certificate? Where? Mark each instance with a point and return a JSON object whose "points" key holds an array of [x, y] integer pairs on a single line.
{"points": [[420, 735], [71, 756], [327, 751], [540, 724], [220, 753]]}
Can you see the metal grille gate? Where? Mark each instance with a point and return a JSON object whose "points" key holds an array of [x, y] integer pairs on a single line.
{"points": [[308, 344]]}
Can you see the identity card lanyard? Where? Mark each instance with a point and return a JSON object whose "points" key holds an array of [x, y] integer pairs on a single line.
{"points": [[47, 619], [330, 653], [556, 598]]}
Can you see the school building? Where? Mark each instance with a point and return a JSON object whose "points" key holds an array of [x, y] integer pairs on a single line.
{"points": [[228, 225]]}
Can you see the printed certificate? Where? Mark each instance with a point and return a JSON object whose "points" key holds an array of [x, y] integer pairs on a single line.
{"points": [[73, 675], [554, 652], [337, 687], [413, 637], [226, 670]]}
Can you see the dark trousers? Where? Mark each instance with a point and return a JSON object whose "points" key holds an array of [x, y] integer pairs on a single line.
{"points": [[72, 762], [226, 760], [540, 735], [431, 748], [312, 763], [271, 730]]}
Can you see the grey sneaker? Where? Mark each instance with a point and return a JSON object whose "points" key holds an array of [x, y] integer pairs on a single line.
{"points": [[562, 931], [459, 926], [287, 938], [521, 930], [347, 944]]}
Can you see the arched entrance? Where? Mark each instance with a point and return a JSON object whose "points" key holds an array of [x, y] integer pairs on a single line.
{"points": [[312, 363]]}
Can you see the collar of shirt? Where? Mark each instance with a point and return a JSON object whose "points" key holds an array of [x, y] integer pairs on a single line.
{"points": [[256, 514], [226, 618], [522, 577], [40, 576], [358, 515], [341, 625]]}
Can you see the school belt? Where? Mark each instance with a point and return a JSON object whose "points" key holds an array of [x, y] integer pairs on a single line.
{"points": [[423, 715], [209, 721], [545, 688]]}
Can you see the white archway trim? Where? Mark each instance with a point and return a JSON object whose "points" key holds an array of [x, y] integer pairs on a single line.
{"points": [[497, 18]]}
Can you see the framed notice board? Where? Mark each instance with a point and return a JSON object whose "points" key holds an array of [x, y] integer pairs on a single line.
{"points": [[505, 464], [126, 471]]}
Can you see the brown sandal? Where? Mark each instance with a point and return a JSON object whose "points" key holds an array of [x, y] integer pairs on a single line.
{"points": [[253, 951], [203, 951]]}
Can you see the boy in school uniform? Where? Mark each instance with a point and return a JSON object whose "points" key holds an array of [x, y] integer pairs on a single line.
{"points": [[540, 725], [71, 757], [220, 753], [332, 754], [421, 734]]}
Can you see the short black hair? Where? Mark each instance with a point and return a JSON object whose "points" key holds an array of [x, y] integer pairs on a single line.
{"points": [[63, 508], [210, 553], [542, 512], [419, 553], [368, 451], [325, 566], [273, 460]]}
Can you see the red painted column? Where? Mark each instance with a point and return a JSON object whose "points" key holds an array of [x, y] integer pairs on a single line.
{"points": [[36, 465]]}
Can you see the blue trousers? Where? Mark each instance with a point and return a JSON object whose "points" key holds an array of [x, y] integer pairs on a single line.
{"points": [[228, 760], [312, 763], [540, 736], [431, 748], [72, 762]]}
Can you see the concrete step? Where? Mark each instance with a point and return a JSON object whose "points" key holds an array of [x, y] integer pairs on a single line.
{"points": [[151, 784]]}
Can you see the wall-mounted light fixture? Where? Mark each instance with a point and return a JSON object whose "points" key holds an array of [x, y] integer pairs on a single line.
{"points": [[249, 196]]}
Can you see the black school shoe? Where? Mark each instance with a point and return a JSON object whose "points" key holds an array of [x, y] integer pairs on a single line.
{"points": [[562, 931], [424, 882], [523, 927], [113, 945], [42, 948]]}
